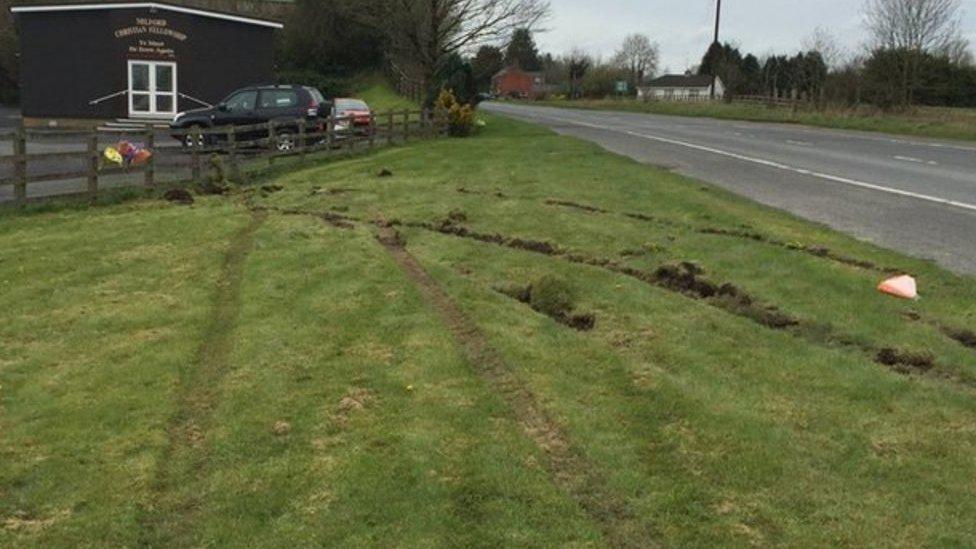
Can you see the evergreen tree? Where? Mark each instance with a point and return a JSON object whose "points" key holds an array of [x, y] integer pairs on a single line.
{"points": [[485, 64], [522, 51]]}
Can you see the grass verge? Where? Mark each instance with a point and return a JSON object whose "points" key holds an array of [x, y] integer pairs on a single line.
{"points": [[938, 122], [373, 395]]}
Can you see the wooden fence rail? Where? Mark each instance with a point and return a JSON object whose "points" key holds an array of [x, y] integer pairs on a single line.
{"points": [[238, 145]]}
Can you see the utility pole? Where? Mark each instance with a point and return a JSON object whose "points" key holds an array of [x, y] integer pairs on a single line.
{"points": [[718, 22]]}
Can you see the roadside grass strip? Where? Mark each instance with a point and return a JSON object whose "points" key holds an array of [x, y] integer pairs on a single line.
{"points": [[259, 369]]}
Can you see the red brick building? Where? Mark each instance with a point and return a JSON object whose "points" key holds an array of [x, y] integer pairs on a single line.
{"points": [[515, 82]]}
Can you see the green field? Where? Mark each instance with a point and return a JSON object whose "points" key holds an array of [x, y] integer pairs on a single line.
{"points": [[946, 123], [334, 358]]}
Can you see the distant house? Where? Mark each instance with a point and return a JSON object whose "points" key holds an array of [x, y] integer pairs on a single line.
{"points": [[681, 87], [515, 82]]}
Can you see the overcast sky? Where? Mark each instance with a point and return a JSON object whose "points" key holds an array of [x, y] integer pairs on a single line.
{"points": [[684, 28]]}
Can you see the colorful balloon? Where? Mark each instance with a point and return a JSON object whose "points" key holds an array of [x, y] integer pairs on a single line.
{"points": [[113, 155]]}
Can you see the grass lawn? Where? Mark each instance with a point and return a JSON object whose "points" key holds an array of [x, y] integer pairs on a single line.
{"points": [[262, 369], [376, 92], [947, 123]]}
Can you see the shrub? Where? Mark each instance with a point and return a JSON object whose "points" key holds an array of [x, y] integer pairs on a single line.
{"points": [[460, 118], [552, 296]]}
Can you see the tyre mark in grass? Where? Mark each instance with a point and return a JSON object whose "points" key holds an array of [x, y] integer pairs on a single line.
{"points": [[177, 495], [566, 464], [686, 279]]}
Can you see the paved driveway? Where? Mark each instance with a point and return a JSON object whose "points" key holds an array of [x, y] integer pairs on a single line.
{"points": [[913, 195]]}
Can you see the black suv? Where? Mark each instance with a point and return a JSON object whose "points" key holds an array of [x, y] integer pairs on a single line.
{"points": [[257, 105]]}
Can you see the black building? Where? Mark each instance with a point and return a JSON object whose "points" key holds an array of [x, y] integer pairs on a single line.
{"points": [[141, 60]]}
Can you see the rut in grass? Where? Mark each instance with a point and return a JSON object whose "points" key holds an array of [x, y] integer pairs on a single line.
{"points": [[564, 461], [167, 519], [820, 252], [687, 279]]}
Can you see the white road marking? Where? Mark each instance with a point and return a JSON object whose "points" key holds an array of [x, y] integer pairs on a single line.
{"points": [[798, 143], [777, 165], [916, 160]]}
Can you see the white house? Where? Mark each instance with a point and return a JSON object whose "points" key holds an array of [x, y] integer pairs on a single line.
{"points": [[681, 87]]}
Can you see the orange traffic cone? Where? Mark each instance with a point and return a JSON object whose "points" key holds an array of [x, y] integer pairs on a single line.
{"points": [[900, 286]]}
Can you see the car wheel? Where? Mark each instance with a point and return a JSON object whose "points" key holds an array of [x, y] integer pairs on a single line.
{"points": [[285, 142], [193, 138]]}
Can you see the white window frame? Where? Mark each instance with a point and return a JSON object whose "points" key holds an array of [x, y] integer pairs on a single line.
{"points": [[152, 92]]}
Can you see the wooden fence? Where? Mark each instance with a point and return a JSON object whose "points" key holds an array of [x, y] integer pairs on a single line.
{"points": [[240, 147]]}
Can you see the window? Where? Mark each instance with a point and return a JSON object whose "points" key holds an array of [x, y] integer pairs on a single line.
{"points": [[243, 101], [152, 88], [346, 105], [278, 99]]}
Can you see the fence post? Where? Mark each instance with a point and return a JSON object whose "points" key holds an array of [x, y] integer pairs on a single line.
{"points": [[93, 165], [20, 166], [272, 142], [389, 128], [425, 123], [232, 151], [197, 143], [372, 130], [406, 125], [150, 173], [329, 134], [301, 139]]}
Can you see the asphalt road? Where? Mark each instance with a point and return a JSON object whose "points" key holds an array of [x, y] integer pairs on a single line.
{"points": [[914, 195]]}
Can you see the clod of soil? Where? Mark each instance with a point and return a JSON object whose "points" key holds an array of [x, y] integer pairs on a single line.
{"points": [[684, 278], [552, 297], [385, 173], [904, 362], [270, 189], [965, 337], [457, 216], [179, 196], [583, 322]]}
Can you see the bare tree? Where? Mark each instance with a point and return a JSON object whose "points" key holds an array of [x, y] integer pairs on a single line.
{"points": [[424, 32], [578, 63], [958, 52], [639, 56], [912, 28], [823, 41]]}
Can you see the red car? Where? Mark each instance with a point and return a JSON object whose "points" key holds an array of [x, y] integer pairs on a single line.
{"points": [[353, 116]]}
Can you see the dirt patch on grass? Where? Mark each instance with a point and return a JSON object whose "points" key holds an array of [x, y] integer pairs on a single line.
{"points": [[334, 218], [575, 205], [457, 216], [566, 464], [356, 400], [448, 226], [905, 362], [496, 194], [167, 520], [178, 196]]}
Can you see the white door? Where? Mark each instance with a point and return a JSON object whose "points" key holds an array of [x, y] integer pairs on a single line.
{"points": [[152, 89]]}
